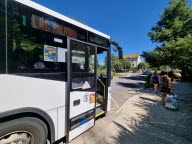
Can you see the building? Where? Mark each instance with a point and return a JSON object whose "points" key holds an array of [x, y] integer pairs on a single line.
{"points": [[135, 59]]}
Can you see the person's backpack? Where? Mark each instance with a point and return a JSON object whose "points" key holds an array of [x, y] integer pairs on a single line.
{"points": [[154, 78], [164, 84]]}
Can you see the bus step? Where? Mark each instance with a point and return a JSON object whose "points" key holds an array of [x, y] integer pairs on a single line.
{"points": [[99, 112], [98, 104]]}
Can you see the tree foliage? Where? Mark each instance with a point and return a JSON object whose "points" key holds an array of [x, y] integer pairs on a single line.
{"points": [[118, 64], [143, 65], [126, 63], [173, 33]]}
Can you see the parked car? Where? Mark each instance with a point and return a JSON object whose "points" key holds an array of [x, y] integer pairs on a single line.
{"points": [[146, 72]]}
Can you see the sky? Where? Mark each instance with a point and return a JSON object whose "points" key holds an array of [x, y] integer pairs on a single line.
{"points": [[125, 21]]}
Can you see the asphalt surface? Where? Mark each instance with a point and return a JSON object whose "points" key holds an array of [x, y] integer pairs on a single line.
{"points": [[125, 87]]}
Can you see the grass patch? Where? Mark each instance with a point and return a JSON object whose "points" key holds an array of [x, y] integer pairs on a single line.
{"points": [[117, 75]]}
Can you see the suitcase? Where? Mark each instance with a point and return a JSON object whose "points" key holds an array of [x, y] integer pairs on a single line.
{"points": [[171, 102]]}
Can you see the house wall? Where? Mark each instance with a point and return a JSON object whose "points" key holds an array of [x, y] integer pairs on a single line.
{"points": [[135, 61], [138, 60]]}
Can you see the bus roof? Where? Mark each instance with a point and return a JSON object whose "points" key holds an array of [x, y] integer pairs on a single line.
{"points": [[60, 16]]}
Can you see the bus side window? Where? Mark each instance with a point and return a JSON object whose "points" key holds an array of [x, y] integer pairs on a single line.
{"points": [[39, 65]]}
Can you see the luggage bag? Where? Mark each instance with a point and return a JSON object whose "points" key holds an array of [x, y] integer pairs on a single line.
{"points": [[171, 101]]}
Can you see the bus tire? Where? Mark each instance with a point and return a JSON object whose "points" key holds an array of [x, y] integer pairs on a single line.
{"points": [[26, 130]]}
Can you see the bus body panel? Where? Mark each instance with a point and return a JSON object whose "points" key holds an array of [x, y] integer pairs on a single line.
{"points": [[59, 119], [85, 104], [19, 92], [62, 122], [79, 130], [47, 95], [53, 115]]}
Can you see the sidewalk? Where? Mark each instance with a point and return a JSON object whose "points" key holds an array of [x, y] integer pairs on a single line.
{"points": [[144, 120]]}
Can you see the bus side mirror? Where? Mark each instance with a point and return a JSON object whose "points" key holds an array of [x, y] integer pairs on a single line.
{"points": [[120, 53]]}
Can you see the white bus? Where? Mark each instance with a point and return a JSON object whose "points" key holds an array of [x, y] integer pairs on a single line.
{"points": [[49, 86]]}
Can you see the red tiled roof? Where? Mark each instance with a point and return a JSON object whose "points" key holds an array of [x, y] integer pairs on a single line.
{"points": [[131, 56]]}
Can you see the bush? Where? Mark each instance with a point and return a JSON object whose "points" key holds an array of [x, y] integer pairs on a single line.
{"points": [[116, 75], [147, 81], [136, 70]]}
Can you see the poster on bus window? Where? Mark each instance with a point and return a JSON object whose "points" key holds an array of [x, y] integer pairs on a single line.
{"points": [[50, 53], [61, 56]]}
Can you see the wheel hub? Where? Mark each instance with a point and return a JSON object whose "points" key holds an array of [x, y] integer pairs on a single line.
{"points": [[16, 138]]}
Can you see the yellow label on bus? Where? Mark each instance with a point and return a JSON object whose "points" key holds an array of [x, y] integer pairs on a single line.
{"points": [[92, 98]]}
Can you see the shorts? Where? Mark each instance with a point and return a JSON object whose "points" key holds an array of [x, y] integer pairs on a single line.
{"points": [[155, 82]]}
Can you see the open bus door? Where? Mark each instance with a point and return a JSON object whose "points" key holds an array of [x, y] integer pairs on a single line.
{"points": [[102, 82], [81, 87], [103, 97]]}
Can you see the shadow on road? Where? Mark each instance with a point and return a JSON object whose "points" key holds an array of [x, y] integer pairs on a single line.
{"points": [[148, 99], [138, 81], [130, 85], [138, 135], [155, 124], [135, 77]]}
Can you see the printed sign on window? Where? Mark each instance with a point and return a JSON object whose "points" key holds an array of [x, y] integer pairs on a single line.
{"points": [[61, 57], [86, 85], [50, 53]]}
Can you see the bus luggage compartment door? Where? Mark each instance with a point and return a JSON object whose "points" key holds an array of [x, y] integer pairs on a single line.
{"points": [[81, 112]]}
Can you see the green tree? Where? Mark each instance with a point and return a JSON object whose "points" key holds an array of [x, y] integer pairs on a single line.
{"points": [[126, 63], [101, 69], [175, 22], [143, 65], [118, 64], [173, 32]]}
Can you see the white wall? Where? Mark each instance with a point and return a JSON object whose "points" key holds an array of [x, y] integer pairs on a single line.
{"points": [[138, 60], [135, 61]]}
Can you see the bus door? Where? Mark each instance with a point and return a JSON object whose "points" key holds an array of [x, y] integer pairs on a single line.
{"points": [[102, 87], [81, 87]]}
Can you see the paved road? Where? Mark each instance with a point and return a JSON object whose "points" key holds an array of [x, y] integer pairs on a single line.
{"points": [[123, 88]]}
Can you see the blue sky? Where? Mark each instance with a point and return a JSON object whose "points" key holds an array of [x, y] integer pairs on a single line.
{"points": [[126, 21]]}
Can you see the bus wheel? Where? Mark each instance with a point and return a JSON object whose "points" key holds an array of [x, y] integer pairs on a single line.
{"points": [[23, 131]]}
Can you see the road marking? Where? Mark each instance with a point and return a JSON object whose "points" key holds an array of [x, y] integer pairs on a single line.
{"points": [[122, 106], [124, 93], [114, 101]]}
